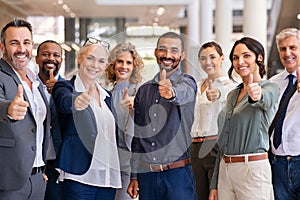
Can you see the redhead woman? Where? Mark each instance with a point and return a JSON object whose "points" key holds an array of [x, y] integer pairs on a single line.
{"points": [[88, 161]]}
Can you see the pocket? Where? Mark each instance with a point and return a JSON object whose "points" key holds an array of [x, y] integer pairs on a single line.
{"points": [[7, 142]]}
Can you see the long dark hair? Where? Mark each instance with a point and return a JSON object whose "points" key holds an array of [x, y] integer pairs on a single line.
{"points": [[254, 46]]}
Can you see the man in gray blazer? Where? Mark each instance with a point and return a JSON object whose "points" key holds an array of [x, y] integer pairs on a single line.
{"points": [[24, 117]]}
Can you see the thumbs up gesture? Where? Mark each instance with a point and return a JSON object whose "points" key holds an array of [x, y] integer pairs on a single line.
{"points": [[84, 99], [50, 82], [18, 107], [212, 94], [298, 79], [165, 88], [253, 89], [127, 101]]}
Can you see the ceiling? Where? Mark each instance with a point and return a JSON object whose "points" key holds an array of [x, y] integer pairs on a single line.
{"points": [[136, 12]]}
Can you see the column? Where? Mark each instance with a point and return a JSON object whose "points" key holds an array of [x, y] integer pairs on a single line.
{"points": [[206, 21], [192, 41], [255, 20], [223, 29]]}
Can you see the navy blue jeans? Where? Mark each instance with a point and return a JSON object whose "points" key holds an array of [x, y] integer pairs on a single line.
{"points": [[73, 190], [173, 184], [286, 177]]}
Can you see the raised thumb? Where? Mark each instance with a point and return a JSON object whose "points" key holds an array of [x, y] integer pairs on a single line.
{"points": [[163, 75]]}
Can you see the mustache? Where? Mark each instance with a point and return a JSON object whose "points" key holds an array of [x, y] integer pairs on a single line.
{"points": [[169, 59]]}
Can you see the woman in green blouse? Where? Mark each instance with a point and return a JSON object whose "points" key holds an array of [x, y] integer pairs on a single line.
{"points": [[242, 167]]}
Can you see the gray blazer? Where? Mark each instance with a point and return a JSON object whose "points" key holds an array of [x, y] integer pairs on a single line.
{"points": [[17, 138]]}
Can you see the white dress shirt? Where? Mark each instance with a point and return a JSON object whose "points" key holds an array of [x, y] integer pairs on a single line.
{"points": [[39, 112], [290, 128], [206, 112]]}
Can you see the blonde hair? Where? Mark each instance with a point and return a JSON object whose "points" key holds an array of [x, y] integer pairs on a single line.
{"points": [[85, 50], [138, 63]]}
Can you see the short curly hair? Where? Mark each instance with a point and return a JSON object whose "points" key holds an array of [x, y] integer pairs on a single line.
{"points": [[138, 63]]}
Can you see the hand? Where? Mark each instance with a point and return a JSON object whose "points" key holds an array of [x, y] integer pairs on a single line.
{"points": [[298, 79], [50, 82], [253, 89], [82, 101], [213, 194], [18, 107], [133, 188], [45, 177], [165, 86], [212, 94], [127, 101]]}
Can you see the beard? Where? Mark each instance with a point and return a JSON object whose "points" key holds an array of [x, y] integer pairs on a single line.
{"points": [[46, 72], [172, 67], [10, 59]]}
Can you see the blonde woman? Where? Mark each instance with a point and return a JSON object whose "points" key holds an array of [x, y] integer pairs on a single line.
{"points": [[88, 161], [124, 71]]}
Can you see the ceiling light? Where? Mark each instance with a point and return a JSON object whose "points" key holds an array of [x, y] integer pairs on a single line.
{"points": [[60, 2], [160, 11]]}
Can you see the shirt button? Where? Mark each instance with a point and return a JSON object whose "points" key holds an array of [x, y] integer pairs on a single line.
{"points": [[156, 100], [154, 158], [33, 148], [154, 114]]}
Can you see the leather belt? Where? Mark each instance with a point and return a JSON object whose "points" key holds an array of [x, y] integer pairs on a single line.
{"points": [[36, 170], [202, 139], [234, 159], [165, 167]]}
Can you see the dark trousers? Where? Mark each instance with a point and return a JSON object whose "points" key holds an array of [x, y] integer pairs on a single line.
{"points": [[286, 177], [172, 184], [203, 163], [34, 189], [73, 190], [53, 189]]}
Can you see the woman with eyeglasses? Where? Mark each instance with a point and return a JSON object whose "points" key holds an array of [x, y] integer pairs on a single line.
{"points": [[88, 161], [124, 71]]}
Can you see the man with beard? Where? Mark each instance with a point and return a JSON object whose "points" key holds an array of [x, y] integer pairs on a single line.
{"points": [[49, 59], [164, 114], [24, 117]]}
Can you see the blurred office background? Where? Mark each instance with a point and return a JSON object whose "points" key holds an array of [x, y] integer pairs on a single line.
{"points": [[70, 22]]}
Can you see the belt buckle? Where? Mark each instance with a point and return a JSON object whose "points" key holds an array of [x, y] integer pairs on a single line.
{"points": [[154, 165]]}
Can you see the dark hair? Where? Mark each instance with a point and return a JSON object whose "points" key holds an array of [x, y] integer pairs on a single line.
{"points": [[15, 23], [172, 35], [254, 46], [47, 41], [211, 44]]}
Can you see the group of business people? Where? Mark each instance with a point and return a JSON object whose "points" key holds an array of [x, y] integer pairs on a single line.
{"points": [[154, 140]]}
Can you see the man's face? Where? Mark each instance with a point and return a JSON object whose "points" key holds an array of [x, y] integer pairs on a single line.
{"points": [[17, 49], [169, 54], [49, 57], [289, 53]]}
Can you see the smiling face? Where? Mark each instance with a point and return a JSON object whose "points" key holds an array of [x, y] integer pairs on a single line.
{"points": [[49, 57], [169, 54], [210, 61], [92, 62], [123, 67], [289, 53], [244, 61], [17, 50]]}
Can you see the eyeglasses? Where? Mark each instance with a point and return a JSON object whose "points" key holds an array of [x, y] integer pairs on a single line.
{"points": [[92, 40]]}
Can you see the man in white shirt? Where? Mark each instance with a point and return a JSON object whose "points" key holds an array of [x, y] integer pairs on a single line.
{"points": [[285, 159], [24, 117]]}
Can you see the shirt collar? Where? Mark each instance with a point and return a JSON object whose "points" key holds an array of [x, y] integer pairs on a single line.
{"points": [[172, 77], [79, 87]]}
